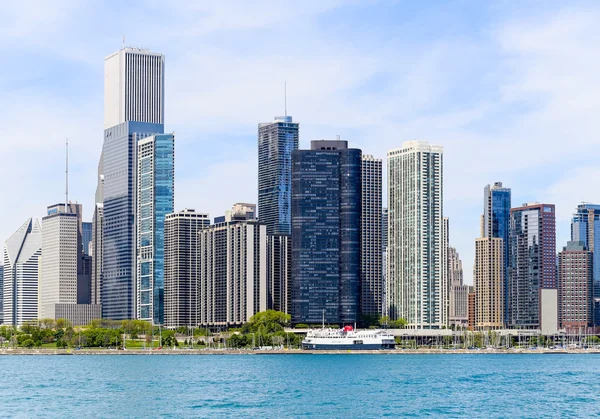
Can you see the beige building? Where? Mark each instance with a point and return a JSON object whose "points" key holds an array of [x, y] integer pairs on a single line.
{"points": [[489, 283]]}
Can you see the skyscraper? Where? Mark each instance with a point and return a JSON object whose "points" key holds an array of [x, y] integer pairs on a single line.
{"points": [[155, 199], [496, 224], [585, 227], [22, 251], [532, 262], [134, 81], [86, 237], [181, 267], [232, 257], [416, 288], [97, 237], [371, 288], [64, 280], [575, 287], [276, 142], [1, 294], [326, 214], [119, 243], [384, 259], [489, 283], [458, 312]]}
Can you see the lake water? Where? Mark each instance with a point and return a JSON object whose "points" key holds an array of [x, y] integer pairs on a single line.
{"points": [[275, 386]]}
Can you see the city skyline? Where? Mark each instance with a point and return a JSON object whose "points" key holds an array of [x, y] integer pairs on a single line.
{"points": [[521, 109]]}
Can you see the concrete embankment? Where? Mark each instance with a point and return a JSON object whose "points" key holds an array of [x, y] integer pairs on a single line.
{"points": [[289, 352]]}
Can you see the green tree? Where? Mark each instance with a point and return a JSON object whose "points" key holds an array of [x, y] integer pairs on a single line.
{"points": [[237, 340], [398, 324], [28, 343]]}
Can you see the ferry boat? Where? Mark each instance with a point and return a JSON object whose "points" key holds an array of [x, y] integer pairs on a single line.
{"points": [[347, 338]]}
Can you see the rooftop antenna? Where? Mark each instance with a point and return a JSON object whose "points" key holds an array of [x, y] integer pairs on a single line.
{"points": [[123, 41], [66, 175], [285, 96]]}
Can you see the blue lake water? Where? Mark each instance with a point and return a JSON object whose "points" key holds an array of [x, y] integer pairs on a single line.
{"points": [[274, 386]]}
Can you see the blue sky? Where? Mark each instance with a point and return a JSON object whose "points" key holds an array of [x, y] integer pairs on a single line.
{"points": [[510, 89]]}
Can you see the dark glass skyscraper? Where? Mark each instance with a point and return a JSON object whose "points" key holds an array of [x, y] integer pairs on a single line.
{"points": [[326, 221], [496, 225], [119, 226], [276, 142]]}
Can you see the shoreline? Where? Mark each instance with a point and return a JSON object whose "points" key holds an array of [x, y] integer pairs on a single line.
{"points": [[87, 352]]}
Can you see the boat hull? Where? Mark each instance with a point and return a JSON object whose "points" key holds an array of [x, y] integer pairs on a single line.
{"points": [[350, 347]]}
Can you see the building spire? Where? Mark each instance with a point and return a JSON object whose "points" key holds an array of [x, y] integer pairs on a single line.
{"points": [[66, 175]]}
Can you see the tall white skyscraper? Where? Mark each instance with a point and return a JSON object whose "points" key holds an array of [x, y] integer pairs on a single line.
{"points": [[21, 265], [134, 81], [416, 288]]}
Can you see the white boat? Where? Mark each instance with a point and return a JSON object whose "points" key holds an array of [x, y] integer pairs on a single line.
{"points": [[347, 338]]}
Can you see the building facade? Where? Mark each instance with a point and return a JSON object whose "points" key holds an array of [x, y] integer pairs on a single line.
{"points": [[576, 287], [22, 252], [279, 249], [384, 258], [416, 287], [155, 199], [86, 237], [489, 283], [532, 262], [119, 242], [326, 221], [496, 224], [276, 142], [232, 258], [134, 81], [457, 298], [181, 267], [585, 227], [371, 281]]}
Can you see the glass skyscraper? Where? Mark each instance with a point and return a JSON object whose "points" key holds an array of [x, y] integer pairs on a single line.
{"points": [[585, 227], [496, 225], [276, 142], [119, 212], [155, 196], [326, 216]]}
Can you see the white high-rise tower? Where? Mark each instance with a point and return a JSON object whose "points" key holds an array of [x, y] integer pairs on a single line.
{"points": [[416, 290], [134, 81]]}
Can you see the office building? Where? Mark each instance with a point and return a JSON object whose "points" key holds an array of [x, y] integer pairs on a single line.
{"points": [[471, 318], [64, 275], [119, 242], [276, 142], [496, 224], [384, 245], [532, 262], [134, 81], [371, 282], [416, 288], [22, 251], [326, 221], [155, 199], [489, 283], [86, 237], [585, 227], [97, 237], [576, 287], [232, 257], [279, 249], [181, 267]]}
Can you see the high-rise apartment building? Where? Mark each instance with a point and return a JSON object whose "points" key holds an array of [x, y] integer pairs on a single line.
{"points": [[1, 294], [585, 227], [155, 199], [489, 283], [276, 142], [232, 258], [22, 251], [371, 281], [181, 267], [496, 224], [575, 287], [416, 288], [458, 291], [532, 262], [326, 215], [134, 81]]}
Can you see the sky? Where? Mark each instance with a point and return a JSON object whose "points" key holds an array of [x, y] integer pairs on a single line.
{"points": [[510, 89]]}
